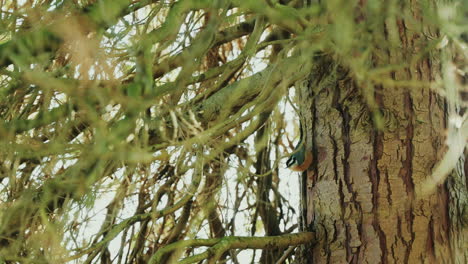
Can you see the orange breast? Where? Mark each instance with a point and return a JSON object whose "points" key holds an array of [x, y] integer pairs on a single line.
{"points": [[304, 166]]}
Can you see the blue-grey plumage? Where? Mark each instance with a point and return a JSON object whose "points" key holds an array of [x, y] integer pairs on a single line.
{"points": [[301, 159]]}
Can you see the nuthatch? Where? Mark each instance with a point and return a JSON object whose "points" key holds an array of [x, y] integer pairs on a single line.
{"points": [[300, 160]]}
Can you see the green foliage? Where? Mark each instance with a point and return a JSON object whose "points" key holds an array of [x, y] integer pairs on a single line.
{"points": [[129, 125]]}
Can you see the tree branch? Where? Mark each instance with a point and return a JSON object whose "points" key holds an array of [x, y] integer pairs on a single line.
{"points": [[220, 245]]}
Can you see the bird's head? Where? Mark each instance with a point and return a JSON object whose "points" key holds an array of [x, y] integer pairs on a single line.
{"points": [[300, 160]]}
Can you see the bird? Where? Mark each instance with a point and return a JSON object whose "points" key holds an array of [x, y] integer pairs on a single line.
{"points": [[300, 160]]}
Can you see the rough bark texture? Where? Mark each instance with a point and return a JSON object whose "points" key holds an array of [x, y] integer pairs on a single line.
{"points": [[360, 195]]}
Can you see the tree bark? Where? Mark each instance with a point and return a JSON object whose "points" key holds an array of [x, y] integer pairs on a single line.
{"points": [[375, 143]]}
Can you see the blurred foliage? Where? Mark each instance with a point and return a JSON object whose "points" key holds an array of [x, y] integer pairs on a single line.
{"points": [[130, 125]]}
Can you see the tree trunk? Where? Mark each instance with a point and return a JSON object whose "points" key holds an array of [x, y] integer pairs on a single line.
{"points": [[376, 141]]}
